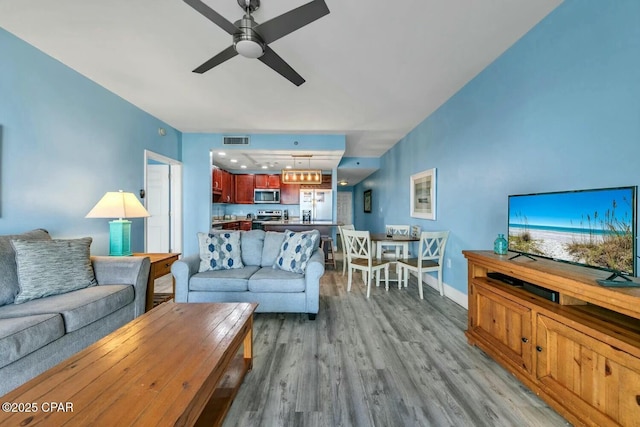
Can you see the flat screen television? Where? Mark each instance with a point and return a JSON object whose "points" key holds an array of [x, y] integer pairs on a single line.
{"points": [[594, 228]]}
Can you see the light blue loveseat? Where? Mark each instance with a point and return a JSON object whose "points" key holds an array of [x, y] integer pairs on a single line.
{"points": [[38, 334], [275, 290]]}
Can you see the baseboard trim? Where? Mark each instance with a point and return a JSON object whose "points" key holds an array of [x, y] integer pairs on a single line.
{"points": [[452, 293]]}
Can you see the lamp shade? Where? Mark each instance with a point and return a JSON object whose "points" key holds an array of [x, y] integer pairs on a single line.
{"points": [[118, 204]]}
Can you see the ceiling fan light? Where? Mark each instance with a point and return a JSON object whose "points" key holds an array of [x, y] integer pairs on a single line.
{"points": [[249, 49]]}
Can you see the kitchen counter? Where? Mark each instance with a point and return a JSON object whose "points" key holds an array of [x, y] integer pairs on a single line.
{"points": [[324, 227], [299, 222]]}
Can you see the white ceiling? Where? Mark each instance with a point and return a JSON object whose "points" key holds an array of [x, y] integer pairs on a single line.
{"points": [[274, 161], [373, 69]]}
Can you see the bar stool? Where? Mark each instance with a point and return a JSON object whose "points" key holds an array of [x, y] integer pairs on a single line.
{"points": [[326, 244]]}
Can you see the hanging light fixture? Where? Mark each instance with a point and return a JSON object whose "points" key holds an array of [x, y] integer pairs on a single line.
{"points": [[301, 176]]}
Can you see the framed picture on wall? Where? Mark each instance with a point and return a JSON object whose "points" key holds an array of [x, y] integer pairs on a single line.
{"points": [[367, 201], [423, 194]]}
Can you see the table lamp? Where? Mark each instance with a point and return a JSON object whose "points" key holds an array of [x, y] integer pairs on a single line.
{"points": [[121, 205]]}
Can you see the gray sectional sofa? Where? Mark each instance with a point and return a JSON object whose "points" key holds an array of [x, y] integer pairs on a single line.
{"points": [[38, 334], [275, 290]]}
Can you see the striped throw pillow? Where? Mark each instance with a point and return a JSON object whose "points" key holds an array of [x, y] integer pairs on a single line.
{"points": [[52, 267]]}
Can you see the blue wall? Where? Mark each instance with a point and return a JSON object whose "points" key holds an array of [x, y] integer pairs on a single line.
{"points": [[196, 148], [560, 110], [64, 142]]}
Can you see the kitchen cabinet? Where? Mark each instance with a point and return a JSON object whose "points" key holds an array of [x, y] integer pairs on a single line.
{"points": [[216, 180], [267, 181], [244, 186], [237, 225], [290, 194], [227, 190], [580, 354]]}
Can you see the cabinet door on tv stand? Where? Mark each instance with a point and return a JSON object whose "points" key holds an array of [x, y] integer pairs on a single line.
{"points": [[597, 380], [505, 324]]}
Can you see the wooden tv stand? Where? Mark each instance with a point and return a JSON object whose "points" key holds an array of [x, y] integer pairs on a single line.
{"points": [[581, 354]]}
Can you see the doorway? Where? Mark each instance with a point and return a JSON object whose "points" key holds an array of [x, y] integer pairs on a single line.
{"points": [[163, 200], [345, 207]]}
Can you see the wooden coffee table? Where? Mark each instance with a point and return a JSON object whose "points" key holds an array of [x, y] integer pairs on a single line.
{"points": [[179, 364]]}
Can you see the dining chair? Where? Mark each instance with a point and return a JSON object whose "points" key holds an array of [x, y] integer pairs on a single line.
{"points": [[415, 233], [394, 251], [343, 243], [358, 245], [430, 255]]}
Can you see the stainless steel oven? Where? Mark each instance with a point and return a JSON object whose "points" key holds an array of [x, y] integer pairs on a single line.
{"points": [[266, 215]]}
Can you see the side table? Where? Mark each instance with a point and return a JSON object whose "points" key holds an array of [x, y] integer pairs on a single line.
{"points": [[160, 266]]}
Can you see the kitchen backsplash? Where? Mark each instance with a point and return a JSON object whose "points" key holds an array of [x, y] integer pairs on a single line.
{"points": [[219, 210]]}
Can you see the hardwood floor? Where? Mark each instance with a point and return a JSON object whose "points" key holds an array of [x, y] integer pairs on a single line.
{"points": [[392, 360]]}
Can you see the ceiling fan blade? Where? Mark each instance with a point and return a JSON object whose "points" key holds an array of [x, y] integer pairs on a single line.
{"points": [[226, 54], [212, 15], [288, 22], [273, 60]]}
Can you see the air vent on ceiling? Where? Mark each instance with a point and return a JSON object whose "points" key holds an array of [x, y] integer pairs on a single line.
{"points": [[235, 140]]}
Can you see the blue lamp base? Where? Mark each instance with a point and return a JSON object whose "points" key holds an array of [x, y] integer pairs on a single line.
{"points": [[120, 237]]}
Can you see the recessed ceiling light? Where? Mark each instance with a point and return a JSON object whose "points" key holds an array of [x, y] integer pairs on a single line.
{"points": [[222, 153], [343, 182], [264, 166], [234, 161], [243, 166], [288, 167]]}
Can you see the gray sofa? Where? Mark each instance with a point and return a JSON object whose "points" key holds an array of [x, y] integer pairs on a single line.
{"points": [[275, 290], [40, 333]]}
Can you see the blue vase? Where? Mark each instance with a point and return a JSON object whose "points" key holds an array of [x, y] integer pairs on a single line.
{"points": [[500, 245]]}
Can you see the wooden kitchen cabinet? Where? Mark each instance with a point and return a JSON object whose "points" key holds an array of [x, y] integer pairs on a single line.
{"points": [[290, 194], [227, 190], [244, 186], [216, 180], [580, 354], [267, 181], [235, 225]]}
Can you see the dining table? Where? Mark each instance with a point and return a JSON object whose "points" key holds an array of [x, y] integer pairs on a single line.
{"points": [[399, 241]]}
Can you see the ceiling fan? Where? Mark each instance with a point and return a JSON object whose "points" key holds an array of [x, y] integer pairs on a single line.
{"points": [[251, 39]]}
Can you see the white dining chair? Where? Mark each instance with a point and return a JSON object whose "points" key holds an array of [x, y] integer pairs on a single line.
{"points": [[343, 243], [358, 245], [430, 255], [394, 251], [415, 233]]}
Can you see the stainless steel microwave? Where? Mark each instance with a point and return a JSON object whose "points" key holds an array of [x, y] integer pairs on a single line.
{"points": [[266, 196]]}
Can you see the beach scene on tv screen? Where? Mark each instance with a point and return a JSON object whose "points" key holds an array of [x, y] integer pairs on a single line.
{"points": [[592, 227]]}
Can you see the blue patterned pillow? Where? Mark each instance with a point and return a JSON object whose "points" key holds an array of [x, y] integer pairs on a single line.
{"points": [[296, 250], [220, 251]]}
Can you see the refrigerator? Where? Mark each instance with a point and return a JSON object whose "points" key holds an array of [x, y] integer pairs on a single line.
{"points": [[319, 202]]}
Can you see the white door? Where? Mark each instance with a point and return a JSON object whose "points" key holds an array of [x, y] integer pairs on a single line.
{"points": [[163, 200], [345, 207], [159, 223]]}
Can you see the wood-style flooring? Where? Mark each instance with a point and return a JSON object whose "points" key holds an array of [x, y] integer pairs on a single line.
{"points": [[391, 360]]}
